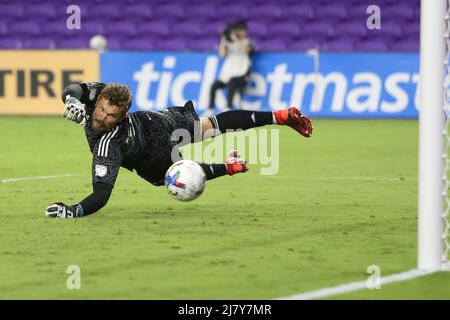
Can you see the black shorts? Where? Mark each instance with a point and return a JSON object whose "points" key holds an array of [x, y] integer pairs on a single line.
{"points": [[166, 132]]}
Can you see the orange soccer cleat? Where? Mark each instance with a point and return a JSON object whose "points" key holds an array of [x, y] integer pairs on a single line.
{"points": [[293, 118]]}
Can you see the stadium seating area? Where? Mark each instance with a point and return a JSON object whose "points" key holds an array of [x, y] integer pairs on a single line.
{"points": [[274, 25]]}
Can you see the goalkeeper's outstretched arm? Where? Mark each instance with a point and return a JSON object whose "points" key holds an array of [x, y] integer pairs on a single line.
{"points": [[91, 204], [79, 96], [73, 90], [73, 110], [85, 92]]}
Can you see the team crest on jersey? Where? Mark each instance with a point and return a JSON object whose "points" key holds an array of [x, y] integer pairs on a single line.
{"points": [[100, 171]]}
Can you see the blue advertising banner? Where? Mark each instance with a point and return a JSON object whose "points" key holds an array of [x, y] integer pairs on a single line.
{"points": [[346, 85]]}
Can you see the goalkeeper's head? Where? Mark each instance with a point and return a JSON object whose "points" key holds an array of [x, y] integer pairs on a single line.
{"points": [[111, 107]]}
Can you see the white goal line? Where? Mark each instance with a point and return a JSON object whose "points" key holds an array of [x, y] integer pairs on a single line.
{"points": [[37, 178], [357, 285], [367, 178]]}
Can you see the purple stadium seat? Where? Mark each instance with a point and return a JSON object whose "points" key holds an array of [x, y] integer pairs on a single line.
{"points": [[38, 43], [320, 29], [169, 11], [371, 46], [294, 2], [402, 11], [214, 28], [10, 43], [267, 11], [121, 29], [159, 27], [409, 46], [13, 10], [388, 30], [69, 2], [302, 11], [25, 28], [196, 2], [106, 11], [138, 10], [253, 3], [304, 44], [417, 12], [257, 28], [350, 28], [232, 12], [157, 3], [186, 28], [141, 43], [116, 44], [345, 38], [271, 45], [61, 9], [56, 29], [338, 45], [91, 28], [291, 28], [392, 28], [44, 10], [406, 44], [386, 38], [172, 43], [335, 11], [411, 29], [88, 10], [358, 13], [3, 28], [205, 44], [72, 43], [202, 11]]}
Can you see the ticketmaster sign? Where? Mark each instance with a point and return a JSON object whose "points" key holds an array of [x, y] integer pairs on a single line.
{"points": [[381, 85]]}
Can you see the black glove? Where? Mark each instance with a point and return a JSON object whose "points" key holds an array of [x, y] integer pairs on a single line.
{"points": [[63, 211]]}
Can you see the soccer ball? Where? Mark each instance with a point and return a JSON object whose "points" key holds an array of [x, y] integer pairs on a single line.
{"points": [[185, 180], [98, 42]]}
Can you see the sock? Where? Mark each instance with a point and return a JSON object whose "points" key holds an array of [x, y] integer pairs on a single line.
{"points": [[240, 119], [214, 170], [281, 116]]}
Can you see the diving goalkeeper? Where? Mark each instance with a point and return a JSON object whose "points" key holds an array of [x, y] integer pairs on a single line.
{"points": [[143, 141]]}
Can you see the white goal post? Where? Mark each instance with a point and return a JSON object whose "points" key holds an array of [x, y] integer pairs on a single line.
{"points": [[434, 143]]}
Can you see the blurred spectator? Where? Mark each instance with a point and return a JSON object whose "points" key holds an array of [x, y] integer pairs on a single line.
{"points": [[236, 48]]}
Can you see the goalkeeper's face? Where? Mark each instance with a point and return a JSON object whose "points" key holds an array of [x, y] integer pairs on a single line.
{"points": [[106, 116]]}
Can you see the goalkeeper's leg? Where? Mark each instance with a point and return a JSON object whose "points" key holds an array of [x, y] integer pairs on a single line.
{"points": [[234, 164], [244, 119]]}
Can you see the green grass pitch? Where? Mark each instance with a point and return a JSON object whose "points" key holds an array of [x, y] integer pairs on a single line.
{"points": [[341, 201]]}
